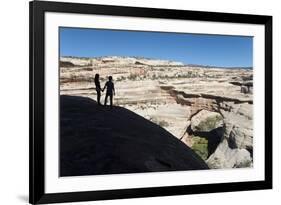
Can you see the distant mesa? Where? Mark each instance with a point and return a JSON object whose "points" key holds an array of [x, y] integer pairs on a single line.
{"points": [[108, 60], [137, 60], [78, 61]]}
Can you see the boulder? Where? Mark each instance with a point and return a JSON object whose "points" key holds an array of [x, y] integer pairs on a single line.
{"points": [[239, 126], [225, 157], [240, 137], [206, 121]]}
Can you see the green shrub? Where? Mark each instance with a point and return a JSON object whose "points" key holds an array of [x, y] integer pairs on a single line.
{"points": [[200, 146], [132, 76]]}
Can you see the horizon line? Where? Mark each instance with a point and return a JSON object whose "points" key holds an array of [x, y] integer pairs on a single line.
{"points": [[152, 58]]}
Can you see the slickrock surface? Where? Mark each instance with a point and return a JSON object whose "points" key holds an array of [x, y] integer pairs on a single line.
{"points": [[99, 140]]}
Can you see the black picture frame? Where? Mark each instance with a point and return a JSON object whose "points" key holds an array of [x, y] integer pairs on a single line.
{"points": [[37, 194]]}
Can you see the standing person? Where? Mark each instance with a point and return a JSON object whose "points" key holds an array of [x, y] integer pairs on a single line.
{"points": [[98, 88], [109, 85]]}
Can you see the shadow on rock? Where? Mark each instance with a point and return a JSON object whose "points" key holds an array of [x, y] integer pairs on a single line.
{"points": [[98, 140]]}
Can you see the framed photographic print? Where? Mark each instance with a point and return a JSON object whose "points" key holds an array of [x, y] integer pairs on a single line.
{"points": [[140, 102]]}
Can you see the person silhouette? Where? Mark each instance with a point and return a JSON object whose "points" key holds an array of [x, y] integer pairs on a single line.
{"points": [[98, 87], [110, 91]]}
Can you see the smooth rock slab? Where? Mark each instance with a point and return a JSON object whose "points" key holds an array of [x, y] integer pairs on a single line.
{"points": [[97, 140]]}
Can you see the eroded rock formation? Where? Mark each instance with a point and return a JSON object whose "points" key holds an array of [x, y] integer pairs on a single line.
{"points": [[204, 107]]}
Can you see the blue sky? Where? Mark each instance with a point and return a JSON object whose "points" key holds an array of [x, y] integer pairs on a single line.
{"points": [[216, 50]]}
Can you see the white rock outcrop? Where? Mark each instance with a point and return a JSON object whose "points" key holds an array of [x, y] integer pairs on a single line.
{"points": [[206, 121], [225, 157]]}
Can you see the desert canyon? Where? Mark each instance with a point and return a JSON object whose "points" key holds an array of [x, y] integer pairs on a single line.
{"points": [[209, 109]]}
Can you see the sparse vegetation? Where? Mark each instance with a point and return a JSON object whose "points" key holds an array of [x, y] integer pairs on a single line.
{"points": [[121, 78], [86, 69], [200, 146], [132, 76], [209, 123], [189, 74], [76, 78]]}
